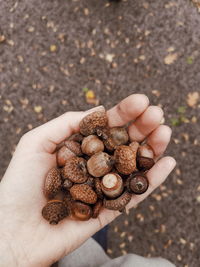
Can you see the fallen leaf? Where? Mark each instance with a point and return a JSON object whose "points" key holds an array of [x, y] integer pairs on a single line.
{"points": [[91, 98], [189, 60], [38, 109], [192, 99], [171, 58], [109, 57], [53, 48]]}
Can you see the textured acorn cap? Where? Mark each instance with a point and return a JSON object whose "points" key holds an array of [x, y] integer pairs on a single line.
{"points": [[90, 123], [125, 159], [118, 203], [75, 170], [81, 211], [52, 183], [54, 211], [84, 193], [97, 186]]}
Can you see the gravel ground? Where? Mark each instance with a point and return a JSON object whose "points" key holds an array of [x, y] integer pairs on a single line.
{"points": [[63, 55]]}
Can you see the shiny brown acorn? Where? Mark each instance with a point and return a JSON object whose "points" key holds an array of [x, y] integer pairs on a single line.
{"points": [[145, 157], [99, 164], [67, 151], [91, 145], [113, 137]]}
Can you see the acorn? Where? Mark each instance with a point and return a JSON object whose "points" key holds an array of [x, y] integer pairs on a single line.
{"points": [[84, 193], [112, 185], [145, 157], [118, 203], [137, 183], [113, 137], [93, 121], [53, 183], [100, 164], [54, 211], [77, 137], [81, 211], [97, 208], [91, 145], [69, 150], [75, 170], [125, 159]]}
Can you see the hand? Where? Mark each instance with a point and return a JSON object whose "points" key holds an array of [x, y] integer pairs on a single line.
{"points": [[26, 239]]}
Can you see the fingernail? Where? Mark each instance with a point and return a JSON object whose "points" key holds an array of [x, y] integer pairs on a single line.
{"points": [[98, 108]]}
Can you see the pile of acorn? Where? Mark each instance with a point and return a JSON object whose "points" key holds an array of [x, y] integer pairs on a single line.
{"points": [[96, 168]]}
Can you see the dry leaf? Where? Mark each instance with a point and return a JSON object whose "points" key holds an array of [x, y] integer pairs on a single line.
{"points": [[192, 99], [171, 58], [109, 57], [38, 109], [91, 98]]}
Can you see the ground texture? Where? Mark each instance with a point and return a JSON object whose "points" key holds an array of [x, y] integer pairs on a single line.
{"points": [[63, 55]]}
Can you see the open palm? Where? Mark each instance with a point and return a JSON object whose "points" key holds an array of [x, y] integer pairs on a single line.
{"points": [[25, 236]]}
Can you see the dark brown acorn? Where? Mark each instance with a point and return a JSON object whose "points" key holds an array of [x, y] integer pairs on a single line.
{"points": [[137, 183], [145, 157]]}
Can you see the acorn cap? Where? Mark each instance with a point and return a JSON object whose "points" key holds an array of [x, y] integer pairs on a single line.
{"points": [[93, 121], [118, 203], [75, 170], [52, 183], [81, 211], [54, 211], [84, 193], [125, 159], [97, 208], [137, 183], [97, 186]]}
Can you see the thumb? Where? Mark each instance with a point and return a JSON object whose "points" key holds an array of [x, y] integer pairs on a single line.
{"points": [[47, 136]]}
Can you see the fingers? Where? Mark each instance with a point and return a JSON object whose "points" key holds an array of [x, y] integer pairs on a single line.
{"points": [[156, 176], [48, 135], [159, 139], [127, 110], [146, 123]]}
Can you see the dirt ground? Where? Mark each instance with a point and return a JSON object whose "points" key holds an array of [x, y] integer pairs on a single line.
{"points": [[63, 55]]}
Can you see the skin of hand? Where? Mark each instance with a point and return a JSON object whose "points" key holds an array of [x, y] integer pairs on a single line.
{"points": [[26, 239]]}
